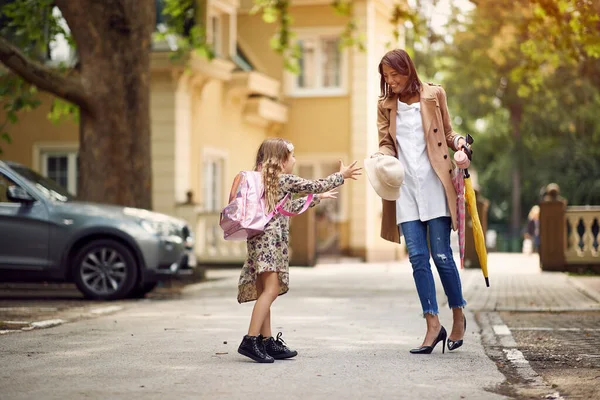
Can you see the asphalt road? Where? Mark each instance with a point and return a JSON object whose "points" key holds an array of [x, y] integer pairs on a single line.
{"points": [[353, 326]]}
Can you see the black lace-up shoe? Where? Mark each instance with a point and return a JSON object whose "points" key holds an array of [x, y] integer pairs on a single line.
{"points": [[277, 349], [254, 348]]}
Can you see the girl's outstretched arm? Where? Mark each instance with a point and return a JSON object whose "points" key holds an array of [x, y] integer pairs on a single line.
{"points": [[294, 184]]}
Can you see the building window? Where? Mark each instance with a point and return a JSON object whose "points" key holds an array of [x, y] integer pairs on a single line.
{"points": [[160, 7], [322, 67], [213, 180], [61, 167], [241, 60], [216, 34]]}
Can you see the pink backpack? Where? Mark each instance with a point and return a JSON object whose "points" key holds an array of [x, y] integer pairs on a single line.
{"points": [[245, 216]]}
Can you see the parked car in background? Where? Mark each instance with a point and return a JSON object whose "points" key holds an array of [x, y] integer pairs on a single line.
{"points": [[109, 252]]}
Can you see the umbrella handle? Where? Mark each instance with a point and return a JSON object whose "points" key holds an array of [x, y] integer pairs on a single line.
{"points": [[468, 152]]}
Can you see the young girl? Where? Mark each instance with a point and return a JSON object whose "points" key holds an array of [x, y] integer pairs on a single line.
{"points": [[265, 272]]}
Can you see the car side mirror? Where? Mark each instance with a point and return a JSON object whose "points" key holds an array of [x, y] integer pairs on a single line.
{"points": [[17, 194]]}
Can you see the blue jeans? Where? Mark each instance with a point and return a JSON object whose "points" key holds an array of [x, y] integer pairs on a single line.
{"points": [[415, 236]]}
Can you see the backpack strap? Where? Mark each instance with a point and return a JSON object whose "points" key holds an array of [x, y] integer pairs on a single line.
{"points": [[279, 207], [304, 208]]}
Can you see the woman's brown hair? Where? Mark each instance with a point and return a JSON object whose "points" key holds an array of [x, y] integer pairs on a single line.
{"points": [[271, 156], [400, 61]]}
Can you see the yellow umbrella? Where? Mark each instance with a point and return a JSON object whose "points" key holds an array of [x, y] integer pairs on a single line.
{"points": [[478, 236]]}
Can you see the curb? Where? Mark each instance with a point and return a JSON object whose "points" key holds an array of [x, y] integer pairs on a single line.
{"points": [[49, 323], [584, 289], [499, 343], [24, 326]]}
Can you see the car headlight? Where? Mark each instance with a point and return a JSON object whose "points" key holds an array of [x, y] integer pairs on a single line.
{"points": [[157, 228]]}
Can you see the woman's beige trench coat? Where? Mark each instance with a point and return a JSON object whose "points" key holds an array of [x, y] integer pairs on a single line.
{"points": [[439, 138]]}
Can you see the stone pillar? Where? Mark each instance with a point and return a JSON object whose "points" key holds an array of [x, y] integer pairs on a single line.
{"points": [[303, 239], [372, 18], [362, 207], [553, 231]]}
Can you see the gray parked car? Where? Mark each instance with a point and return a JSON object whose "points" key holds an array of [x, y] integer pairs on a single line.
{"points": [[110, 252]]}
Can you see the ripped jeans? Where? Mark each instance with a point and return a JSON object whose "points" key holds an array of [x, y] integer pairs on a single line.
{"points": [[415, 235]]}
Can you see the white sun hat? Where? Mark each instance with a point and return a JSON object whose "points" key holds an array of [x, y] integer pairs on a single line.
{"points": [[386, 175]]}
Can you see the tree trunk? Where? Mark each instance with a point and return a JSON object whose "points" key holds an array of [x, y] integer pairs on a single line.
{"points": [[113, 40], [516, 114]]}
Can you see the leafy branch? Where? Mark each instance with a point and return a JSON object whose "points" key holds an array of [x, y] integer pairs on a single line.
{"points": [[183, 31], [27, 30], [283, 41], [278, 11]]}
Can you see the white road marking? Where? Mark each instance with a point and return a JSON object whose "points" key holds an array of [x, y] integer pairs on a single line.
{"points": [[47, 323], [106, 310], [501, 330], [4, 332], [515, 356]]}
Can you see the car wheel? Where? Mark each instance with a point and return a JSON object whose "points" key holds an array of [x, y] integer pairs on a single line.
{"points": [[140, 291], [105, 270]]}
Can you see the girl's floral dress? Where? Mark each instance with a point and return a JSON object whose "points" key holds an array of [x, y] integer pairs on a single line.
{"points": [[269, 250]]}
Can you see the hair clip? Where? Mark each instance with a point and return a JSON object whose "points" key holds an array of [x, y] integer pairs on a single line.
{"points": [[290, 147]]}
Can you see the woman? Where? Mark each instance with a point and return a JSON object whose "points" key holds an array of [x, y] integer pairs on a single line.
{"points": [[414, 126], [533, 228]]}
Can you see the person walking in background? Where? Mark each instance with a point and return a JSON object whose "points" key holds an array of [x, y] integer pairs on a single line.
{"points": [[414, 126], [531, 243], [265, 274]]}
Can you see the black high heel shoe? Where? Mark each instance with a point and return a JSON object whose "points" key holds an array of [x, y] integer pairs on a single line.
{"points": [[455, 344], [441, 337]]}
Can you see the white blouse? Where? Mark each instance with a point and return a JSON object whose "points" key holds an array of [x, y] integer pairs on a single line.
{"points": [[422, 195]]}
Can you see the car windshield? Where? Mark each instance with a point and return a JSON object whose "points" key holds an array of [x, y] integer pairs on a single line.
{"points": [[50, 189]]}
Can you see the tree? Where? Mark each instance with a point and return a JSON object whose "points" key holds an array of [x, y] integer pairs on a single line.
{"points": [[485, 55], [110, 87]]}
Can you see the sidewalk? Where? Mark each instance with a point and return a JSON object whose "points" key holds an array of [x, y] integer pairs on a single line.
{"points": [[518, 284]]}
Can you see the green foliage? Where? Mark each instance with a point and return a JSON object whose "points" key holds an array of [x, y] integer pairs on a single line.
{"points": [[350, 36], [63, 109], [31, 26], [182, 23], [284, 43], [19, 97], [412, 20], [535, 61], [560, 34]]}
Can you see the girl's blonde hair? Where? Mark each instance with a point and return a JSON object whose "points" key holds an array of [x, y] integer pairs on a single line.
{"points": [[271, 156]]}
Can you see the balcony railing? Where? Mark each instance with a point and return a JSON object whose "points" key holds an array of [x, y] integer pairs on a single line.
{"points": [[210, 247], [582, 245]]}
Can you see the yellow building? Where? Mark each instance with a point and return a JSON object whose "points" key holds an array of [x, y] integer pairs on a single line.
{"points": [[209, 117]]}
